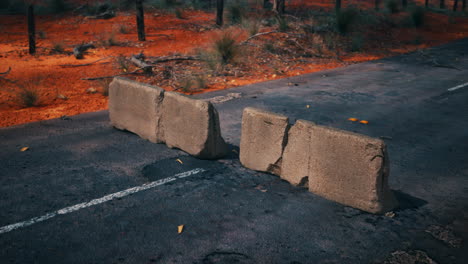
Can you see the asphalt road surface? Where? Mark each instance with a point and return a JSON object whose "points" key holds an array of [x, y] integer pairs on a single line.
{"points": [[85, 192]]}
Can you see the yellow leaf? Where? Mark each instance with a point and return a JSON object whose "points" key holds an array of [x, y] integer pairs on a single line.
{"points": [[178, 160], [307, 106], [180, 229], [23, 149], [364, 122], [353, 119], [235, 151]]}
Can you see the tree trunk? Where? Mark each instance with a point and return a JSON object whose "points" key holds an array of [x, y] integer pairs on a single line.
{"points": [[219, 12], [338, 6], [427, 3], [455, 5], [265, 3], [377, 3], [280, 6], [442, 4], [464, 5], [404, 3], [31, 30], [140, 18]]}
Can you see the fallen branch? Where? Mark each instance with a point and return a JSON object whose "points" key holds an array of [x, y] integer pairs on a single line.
{"points": [[257, 35], [159, 35], [7, 72], [173, 58], [86, 64], [138, 60]]}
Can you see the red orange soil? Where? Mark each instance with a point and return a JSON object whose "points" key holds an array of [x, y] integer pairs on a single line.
{"points": [[166, 35]]}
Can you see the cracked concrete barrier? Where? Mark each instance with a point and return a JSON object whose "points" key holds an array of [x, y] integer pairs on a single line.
{"points": [[192, 126], [295, 164], [263, 138], [136, 107], [349, 168]]}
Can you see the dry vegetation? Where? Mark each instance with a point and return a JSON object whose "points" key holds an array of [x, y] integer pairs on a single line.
{"points": [[185, 51]]}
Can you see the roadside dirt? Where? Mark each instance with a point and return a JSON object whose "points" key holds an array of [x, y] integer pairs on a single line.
{"points": [[62, 90]]}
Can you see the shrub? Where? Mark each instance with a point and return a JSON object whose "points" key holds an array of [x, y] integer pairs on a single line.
{"points": [[357, 42], [251, 25], [200, 81], [178, 13], [226, 48], [41, 34], [108, 40], [392, 6], [345, 19], [58, 47], [28, 97], [417, 16], [124, 29]]}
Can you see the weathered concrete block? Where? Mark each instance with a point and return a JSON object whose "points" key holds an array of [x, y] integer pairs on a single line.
{"points": [[192, 126], [295, 164], [136, 107], [262, 140], [349, 168]]}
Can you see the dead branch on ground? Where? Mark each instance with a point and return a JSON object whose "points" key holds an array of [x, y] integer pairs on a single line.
{"points": [[257, 35], [7, 72], [155, 60]]}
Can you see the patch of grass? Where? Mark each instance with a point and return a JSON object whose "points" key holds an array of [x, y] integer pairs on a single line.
{"points": [[122, 63], [417, 16], [392, 6], [179, 13], [42, 34], [226, 48], [104, 86], [58, 47], [186, 85], [108, 40], [200, 81], [345, 20], [357, 42], [123, 29], [251, 25], [28, 97]]}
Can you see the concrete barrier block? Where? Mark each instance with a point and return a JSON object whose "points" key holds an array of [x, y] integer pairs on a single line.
{"points": [[262, 140], [192, 126], [136, 107], [349, 168], [295, 164]]}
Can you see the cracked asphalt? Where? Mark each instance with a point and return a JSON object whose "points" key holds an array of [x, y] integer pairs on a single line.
{"points": [[234, 215]]}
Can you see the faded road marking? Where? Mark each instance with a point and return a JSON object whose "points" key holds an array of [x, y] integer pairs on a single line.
{"points": [[70, 209], [457, 87]]}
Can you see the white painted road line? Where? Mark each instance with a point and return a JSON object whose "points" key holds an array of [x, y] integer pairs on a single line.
{"points": [[457, 87], [70, 209]]}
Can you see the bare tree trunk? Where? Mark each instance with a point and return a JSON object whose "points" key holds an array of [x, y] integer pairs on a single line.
{"points": [[265, 3], [31, 30], [140, 18], [404, 3], [464, 5], [442, 4], [219, 12], [455, 5], [280, 6], [427, 3], [377, 4], [338, 6]]}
